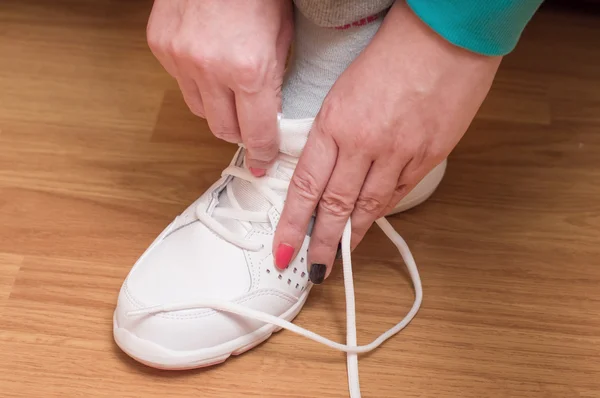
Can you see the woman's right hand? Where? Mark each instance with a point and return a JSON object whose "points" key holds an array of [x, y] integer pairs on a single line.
{"points": [[229, 63]]}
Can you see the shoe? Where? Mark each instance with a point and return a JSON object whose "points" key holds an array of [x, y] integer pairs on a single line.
{"points": [[207, 287]]}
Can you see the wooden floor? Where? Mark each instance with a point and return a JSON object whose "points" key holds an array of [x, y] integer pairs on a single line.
{"points": [[98, 153]]}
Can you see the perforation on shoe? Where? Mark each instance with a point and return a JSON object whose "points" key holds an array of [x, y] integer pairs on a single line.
{"points": [[293, 280]]}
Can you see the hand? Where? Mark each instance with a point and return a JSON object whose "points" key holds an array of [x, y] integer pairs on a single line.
{"points": [[229, 63], [391, 117]]}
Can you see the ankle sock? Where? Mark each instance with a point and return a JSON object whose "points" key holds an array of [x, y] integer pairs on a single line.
{"points": [[319, 56]]}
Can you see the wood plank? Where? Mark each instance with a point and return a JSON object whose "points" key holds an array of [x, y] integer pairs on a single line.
{"points": [[99, 153]]}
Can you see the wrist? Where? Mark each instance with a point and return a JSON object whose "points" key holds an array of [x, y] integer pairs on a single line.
{"points": [[412, 60], [417, 41]]}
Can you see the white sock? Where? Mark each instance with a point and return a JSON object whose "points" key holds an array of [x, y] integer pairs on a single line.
{"points": [[320, 55]]}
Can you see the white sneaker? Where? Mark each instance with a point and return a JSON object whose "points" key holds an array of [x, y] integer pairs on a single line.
{"points": [[207, 287]]}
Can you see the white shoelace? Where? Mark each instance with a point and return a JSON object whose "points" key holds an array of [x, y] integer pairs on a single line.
{"points": [[265, 186]]}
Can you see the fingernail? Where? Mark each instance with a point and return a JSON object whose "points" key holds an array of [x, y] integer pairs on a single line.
{"points": [[257, 172], [338, 254], [317, 273], [283, 255]]}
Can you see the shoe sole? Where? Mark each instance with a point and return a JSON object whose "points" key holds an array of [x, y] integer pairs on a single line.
{"points": [[423, 190], [156, 356]]}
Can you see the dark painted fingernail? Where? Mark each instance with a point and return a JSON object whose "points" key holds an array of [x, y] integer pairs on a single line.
{"points": [[317, 273], [338, 255]]}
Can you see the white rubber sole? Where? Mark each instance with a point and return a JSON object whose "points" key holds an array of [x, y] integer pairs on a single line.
{"points": [[423, 190], [156, 356]]}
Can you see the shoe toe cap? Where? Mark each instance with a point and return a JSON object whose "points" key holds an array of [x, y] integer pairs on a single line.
{"points": [[175, 271]]}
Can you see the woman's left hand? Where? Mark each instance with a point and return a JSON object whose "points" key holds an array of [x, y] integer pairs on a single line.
{"points": [[391, 117]]}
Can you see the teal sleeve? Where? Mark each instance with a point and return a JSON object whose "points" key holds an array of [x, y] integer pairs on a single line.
{"points": [[489, 27]]}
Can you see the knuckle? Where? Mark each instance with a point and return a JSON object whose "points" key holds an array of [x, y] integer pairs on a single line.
{"points": [[262, 148], [336, 204], [182, 48], [153, 35], [407, 148], [202, 59], [328, 119], [153, 40], [177, 48], [225, 133], [250, 72], [292, 230], [433, 153], [370, 204], [362, 140], [323, 241], [305, 185], [248, 66], [401, 190], [358, 132]]}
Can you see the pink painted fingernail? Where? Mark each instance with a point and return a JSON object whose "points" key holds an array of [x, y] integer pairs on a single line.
{"points": [[283, 255], [258, 172]]}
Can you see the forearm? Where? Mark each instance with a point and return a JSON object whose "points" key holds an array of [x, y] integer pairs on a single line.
{"points": [[490, 27]]}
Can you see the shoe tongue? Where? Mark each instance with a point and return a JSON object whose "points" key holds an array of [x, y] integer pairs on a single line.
{"points": [[292, 136]]}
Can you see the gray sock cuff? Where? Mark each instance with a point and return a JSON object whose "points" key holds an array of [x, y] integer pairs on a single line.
{"points": [[338, 13]]}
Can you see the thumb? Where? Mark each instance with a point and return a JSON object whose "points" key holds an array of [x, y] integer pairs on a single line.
{"points": [[257, 116], [257, 113]]}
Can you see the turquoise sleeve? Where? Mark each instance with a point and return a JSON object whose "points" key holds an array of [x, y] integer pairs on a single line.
{"points": [[489, 27]]}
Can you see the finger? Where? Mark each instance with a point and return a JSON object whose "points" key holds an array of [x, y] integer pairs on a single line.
{"points": [[220, 110], [184, 72], [166, 62], [308, 182], [187, 85], [335, 207], [400, 192], [375, 195], [163, 21], [191, 95], [257, 116], [409, 177]]}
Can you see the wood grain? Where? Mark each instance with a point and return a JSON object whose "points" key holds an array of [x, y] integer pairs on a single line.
{"points": [[99, 153]]}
